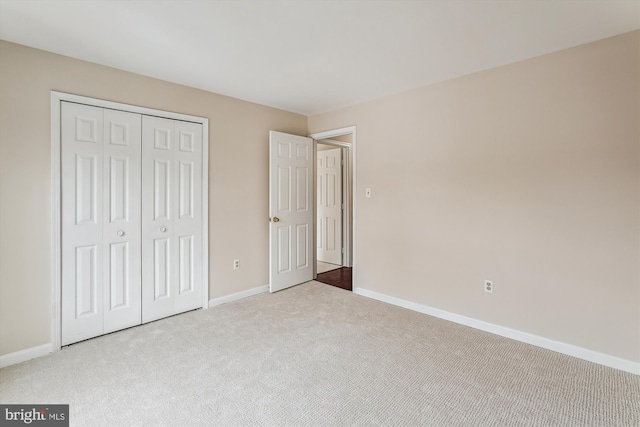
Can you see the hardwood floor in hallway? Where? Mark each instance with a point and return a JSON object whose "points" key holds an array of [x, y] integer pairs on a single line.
{"points": [[340, 278]]}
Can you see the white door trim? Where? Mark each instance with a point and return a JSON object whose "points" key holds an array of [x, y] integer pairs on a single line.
{"points": [[350, 130], [56, 280]]}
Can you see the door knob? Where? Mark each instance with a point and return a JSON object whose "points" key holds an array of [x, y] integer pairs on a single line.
{"points": [[276, 219], [163, 229], [120, 233]]}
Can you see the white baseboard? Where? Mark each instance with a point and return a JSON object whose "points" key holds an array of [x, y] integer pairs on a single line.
{"points": [[557, 346], [238, 295], [24, 355]]}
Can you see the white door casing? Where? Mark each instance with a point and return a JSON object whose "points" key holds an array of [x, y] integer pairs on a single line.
{"points": [[291, 210], [100, 177], [329, 206], [171, 217]]}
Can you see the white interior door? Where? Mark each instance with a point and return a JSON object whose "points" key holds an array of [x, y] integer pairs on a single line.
{"points": [[329, 193], [290, 210], [122, 229], [82, 201], [100, 180], [171, 217]]}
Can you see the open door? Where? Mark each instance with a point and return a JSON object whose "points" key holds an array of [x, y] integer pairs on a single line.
{"points": [[290, 210], [329, 218]]}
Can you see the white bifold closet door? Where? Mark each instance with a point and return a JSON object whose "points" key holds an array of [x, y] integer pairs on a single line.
{"points": [[171, 217], [131, 199], [101, 230]]}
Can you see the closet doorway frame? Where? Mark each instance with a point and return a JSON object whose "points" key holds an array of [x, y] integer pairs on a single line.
{"points": [[56, 281]]}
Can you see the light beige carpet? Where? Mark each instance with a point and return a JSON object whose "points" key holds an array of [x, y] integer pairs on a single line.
{"points": [[316, 355]]}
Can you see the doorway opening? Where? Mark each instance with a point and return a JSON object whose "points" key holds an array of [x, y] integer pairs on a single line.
{"points": [[334, 251]]}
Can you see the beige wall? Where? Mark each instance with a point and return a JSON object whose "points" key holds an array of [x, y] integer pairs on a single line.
{"points": [[238, 178], [526, 174]]}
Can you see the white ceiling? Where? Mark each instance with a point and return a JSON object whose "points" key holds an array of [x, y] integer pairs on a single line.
{"points": [[310, 56]]}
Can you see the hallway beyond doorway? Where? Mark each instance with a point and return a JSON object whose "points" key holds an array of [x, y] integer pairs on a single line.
{"points": [[340, 278]]}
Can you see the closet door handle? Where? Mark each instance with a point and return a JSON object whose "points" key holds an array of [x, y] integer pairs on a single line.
{"points": [[163, 229], [120, 233]]}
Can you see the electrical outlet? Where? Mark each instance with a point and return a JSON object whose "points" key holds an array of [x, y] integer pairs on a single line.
{"points": [[488, 286], [236, 264]]}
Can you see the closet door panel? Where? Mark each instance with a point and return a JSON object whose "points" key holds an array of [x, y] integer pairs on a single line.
{"points": [[122, 224], [159, 208], [171, 217], [188, 221], [82, 221]]}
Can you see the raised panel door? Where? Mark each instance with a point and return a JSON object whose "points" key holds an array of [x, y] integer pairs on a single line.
{"points": [[82, 248], [159, 188], [329, 206], [188, 219], [290, 201], [121, 227], [171, 217]]}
